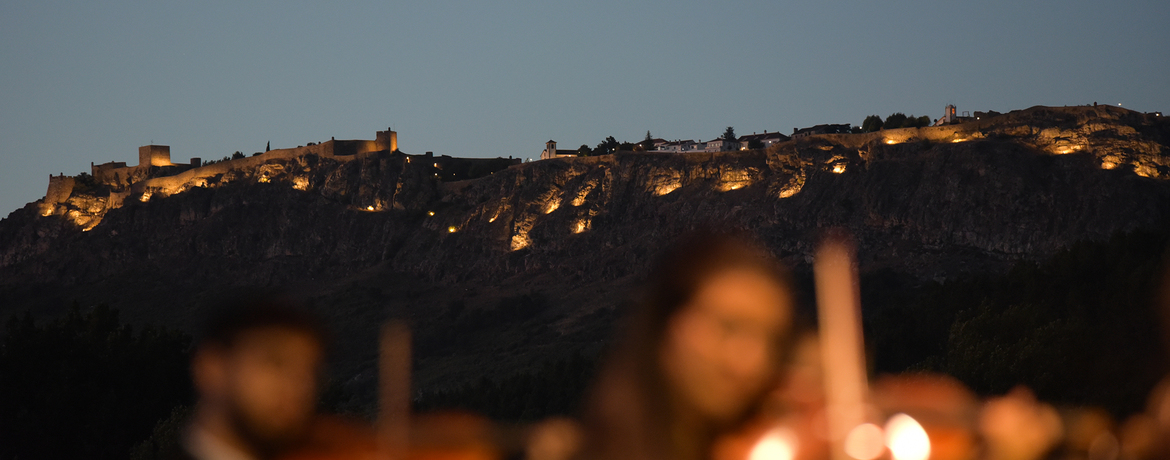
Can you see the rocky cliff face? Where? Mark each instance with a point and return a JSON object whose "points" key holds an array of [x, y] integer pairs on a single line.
{"points": [[931, 202]]}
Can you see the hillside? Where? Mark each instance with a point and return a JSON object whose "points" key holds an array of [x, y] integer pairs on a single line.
{"points": [[525, 263]]}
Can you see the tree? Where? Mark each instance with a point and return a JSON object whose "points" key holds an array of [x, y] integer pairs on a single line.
{"points": [[872, 123], [609, 145], [729, 135], [584, 151], [648, 142], [895, 120], [755, 144], [237, 155]]}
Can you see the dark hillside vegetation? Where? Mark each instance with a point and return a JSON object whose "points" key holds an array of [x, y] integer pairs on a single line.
{"points": [[84, 385]]}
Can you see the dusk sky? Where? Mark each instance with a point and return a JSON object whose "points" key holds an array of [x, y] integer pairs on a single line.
{"points": [[85, 82]]}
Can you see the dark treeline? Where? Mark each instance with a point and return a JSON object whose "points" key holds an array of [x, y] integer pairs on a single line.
{"points": [[1078, 328], [85, 385], [895, 120]]}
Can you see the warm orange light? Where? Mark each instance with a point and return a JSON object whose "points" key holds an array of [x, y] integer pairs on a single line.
{"points": [[776, 444], [582, 193], [793, 186], [665, 189], [864, 442], [838, 168], [956, 141], [452, 229], [430, 213], [520, 241], [1108, 165], [369, 208], [580, 226], [891, 141], [552, 206], [907, 439]]}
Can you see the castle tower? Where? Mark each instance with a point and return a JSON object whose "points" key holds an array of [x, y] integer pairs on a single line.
{"points": [[387, 140], [154, 155], [949, 114], [60, 187]]}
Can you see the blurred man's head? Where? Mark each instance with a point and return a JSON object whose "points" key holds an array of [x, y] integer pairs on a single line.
{"points": [[256, 370]]}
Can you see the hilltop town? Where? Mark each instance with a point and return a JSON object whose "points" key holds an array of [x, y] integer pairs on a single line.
{"points": [[84, 199], [755, 141]]}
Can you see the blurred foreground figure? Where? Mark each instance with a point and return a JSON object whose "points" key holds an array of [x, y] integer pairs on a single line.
{"points": [[256, 371], [701, 349], [1018, 427]]}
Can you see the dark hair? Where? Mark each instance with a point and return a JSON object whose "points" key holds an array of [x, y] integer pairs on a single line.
{"points": [[259, 311], [629, 409]]}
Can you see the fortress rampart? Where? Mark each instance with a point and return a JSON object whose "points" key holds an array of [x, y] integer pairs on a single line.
{"points": [[154, 161], [60, 187], [155, 173], [340, 150]]}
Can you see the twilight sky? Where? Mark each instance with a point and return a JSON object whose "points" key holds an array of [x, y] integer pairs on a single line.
{"points": [[85, 82]]}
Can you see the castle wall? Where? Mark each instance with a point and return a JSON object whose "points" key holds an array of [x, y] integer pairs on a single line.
{"points": [[350, 150], [105, 172], [355, 147], [155, 171], [60, 187]]}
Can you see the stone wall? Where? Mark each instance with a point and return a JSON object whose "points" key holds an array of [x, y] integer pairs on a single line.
{"points": [[154, 155], [60, 187]]}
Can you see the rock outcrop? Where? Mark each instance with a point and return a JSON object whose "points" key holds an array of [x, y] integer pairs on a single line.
{"points": [[932, 202]]}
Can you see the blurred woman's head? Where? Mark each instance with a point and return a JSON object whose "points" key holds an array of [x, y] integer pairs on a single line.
{"points": [[704, 341]]}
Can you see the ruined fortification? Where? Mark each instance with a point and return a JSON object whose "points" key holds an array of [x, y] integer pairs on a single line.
{"points": [[60, 187], [155, 173]]}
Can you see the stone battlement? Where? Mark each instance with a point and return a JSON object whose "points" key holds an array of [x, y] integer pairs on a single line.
{"points": [[154, 161], [60, 187]]}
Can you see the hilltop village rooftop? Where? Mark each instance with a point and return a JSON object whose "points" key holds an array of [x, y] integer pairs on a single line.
{"points": [[950, 117]]}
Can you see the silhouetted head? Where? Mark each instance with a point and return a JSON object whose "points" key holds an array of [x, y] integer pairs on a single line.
{"points": [[256, 370], [703, 344]]}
